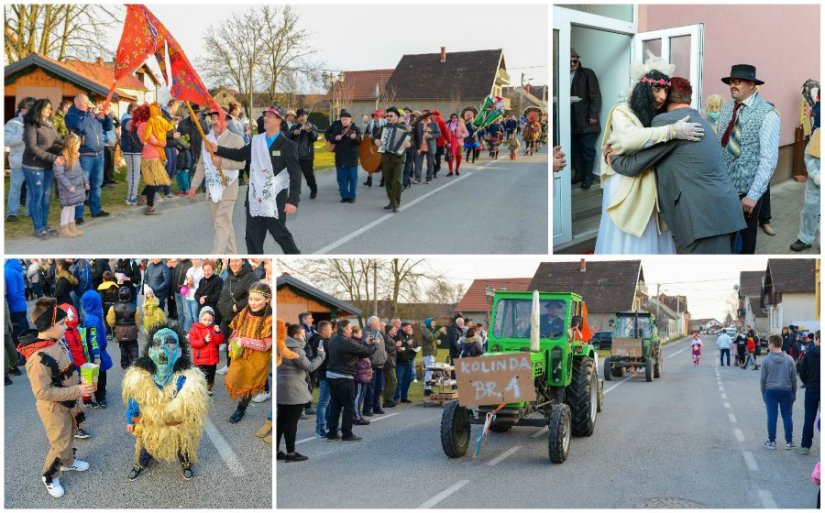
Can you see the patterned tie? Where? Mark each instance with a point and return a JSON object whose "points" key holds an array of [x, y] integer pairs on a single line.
{"points": [[729, 129]]}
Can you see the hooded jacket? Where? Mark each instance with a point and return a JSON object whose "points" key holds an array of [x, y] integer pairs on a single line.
{"points": [[809, 368], [159, 277], [52, 375], [63, 285], [124, 316], [778, 372], [292, 375], [74, 337], [95, 329], [15, 285], [203, 352], [108, 291], [430, 337]]}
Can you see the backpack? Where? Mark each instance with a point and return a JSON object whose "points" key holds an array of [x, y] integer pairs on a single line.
{"points": [[363, 372]]}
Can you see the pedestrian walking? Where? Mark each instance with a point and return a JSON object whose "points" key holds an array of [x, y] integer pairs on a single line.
{"points": [[778, 385], [696, 349], [723, 341]]}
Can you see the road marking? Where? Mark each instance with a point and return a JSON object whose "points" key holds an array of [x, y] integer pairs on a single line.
{"points": [[382, 417], [305, 440], [538, 433], [677, 352], [727, 405], [227, 454], [767, 499], [750, 461], [724, 396], [739, 434], [387, 217], [732, 418], [502, 457], [443, 495], [611, 387]]}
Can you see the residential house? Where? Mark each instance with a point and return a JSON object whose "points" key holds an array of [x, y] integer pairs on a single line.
{"points": [[751, 312], [704, 325], [521, 97], [607, 287], [789, 293], [360, 93], [671, 323], [294, 296], [476, 302], [43, 77]]}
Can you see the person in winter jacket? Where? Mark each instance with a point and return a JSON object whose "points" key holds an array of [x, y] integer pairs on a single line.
{"points": [[205, 337], [430, 337], [159, 277], [404, 362], [72, 185], [809, 374], [305, 134], [64, 282], [108, 291], [343, 356], [390, 379], [470, 345], [124, 318], [455, 332], [56, 391], [152, 313], [293, 393], [13, 137], [80, 351], [96, 330], [16, 296], [235, 289], [321, 338], [377, 361], [778, 385]]}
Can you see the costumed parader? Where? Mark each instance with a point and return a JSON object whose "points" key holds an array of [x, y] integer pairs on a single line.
{"points": [[809, 216], [54, 382], [166, 400], [250, 346]]}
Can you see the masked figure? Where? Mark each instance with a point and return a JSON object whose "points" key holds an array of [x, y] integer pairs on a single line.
{"points": [[167, 402]]}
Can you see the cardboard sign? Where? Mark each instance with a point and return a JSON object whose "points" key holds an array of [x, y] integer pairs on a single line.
{"points": [[631, 347], [493, 380]]}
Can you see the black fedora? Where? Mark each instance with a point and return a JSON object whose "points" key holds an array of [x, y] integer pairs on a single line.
{"points": [[743, 72]]}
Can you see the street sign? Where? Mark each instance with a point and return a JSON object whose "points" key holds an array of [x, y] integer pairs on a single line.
{"points": [[493, 380]]}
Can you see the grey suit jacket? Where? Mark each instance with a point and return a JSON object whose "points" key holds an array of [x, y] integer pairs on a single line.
{"points": [[696, 196]]}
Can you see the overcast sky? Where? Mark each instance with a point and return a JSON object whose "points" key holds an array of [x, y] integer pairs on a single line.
{"points": [[706, 281], [359, 37]]}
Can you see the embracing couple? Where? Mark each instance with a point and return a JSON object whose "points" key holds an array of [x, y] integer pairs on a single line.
{"points": [[666, 183]]}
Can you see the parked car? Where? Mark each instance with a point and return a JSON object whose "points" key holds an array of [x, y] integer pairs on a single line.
{"points": [[602, 340]]}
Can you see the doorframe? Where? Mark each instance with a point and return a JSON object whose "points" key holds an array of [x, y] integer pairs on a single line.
{"points": [[696, 33]]}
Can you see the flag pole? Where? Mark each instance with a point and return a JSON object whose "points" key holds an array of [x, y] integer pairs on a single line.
{"points": [[205, 142]]}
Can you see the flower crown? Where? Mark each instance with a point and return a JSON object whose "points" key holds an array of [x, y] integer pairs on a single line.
{"points": [[264, 293], [661, 82]]}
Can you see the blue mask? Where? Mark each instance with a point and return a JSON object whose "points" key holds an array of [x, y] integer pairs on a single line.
{"points": [[713, 115], [164, 352]]}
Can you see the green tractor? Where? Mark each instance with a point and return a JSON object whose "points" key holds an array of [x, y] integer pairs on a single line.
{"points": [[635, 346], [568, 391]]}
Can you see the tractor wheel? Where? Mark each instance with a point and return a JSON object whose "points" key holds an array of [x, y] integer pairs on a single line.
{"points": [[601, 397], [583, 396], [455, 430], [558, 440], [608, 372], [649, 370], [657, 370], [500, 427], [618, 371]]}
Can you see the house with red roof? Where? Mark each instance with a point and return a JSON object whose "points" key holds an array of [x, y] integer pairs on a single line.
{"points": [[477, 301]]}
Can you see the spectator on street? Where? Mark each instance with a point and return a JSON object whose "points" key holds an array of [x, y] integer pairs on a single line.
{"points": [[809, 374], [470, 345], [321, 339], [750, 345], [741, 348], [124, 318], [430, 336], [234, 295], [377, 361], [405, 362], [344, 353], [205, 337], [159, 277], [16, 297], [390, 377], [778, 386], [724, 342]]}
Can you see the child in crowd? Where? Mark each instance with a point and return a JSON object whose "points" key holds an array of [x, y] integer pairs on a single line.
{"points": [[54, 384], [108, 295], [152, 313], [96, 336], [72, 185], [124, 318], [205, 337], [184, 165], [696, 349], [514, 146], [80, 353]]}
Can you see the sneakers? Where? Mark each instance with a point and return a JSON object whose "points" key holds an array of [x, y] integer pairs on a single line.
{"points": [[804, 451], [82, 434], [320, 434], [54, 488], [263, 396], [769, 445], [799, 246], [222, 370], [102, 405], [102, 213], [135, 472], [78, 465], [789, 446]]}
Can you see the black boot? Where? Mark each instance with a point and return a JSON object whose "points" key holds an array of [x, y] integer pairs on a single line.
{"points": [[587, 174], [238, 415], [368, 183]]}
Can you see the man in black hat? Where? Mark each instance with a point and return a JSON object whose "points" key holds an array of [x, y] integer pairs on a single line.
{"points": [[304, 134], [584, 117], [392, 164], [748, 128], [346, 137], [274, 183]]}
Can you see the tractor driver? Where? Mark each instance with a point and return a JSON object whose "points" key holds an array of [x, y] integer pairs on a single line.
{"points": [[552, 325]]}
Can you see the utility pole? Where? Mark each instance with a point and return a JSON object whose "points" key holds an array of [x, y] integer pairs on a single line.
{"points": [[658, 301], [375, 288]]}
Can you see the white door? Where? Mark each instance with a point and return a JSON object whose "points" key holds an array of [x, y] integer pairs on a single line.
{"points": [[562, 208], [681, 46]]}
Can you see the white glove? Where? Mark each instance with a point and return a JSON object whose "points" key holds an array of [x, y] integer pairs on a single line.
{"points": [[687, 131]]}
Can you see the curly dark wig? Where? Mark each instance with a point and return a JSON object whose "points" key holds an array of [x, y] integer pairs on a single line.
{"points": [[184, 362], [641, 99]]}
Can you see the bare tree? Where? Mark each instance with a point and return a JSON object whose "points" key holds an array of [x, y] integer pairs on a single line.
{"points": [[59, 31], [445, 292], [285, 48]]}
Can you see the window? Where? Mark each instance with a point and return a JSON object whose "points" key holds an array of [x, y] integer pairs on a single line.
{"points": [[632, 327], [513, 318]]}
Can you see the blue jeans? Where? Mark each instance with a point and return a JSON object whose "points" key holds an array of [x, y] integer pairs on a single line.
{"points": [[404, 373], [16, 181], [182, 179], [811, 406], [360, 396], [323, 406], [171, 166], [347, 180], [783, 400], [722, 354], [39, 183], [182, 311], [372, 401], [93, 169], [191, 307]]}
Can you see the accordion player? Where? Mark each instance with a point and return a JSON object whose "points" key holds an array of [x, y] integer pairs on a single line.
{"points": [[393, 140]]}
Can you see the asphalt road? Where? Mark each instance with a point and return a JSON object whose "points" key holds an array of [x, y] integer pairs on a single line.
{"points": [[676, 442], [234, 471], [494, 207]]}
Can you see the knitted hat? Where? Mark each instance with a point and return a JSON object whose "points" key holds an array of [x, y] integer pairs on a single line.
{"points": [[206, 310]]}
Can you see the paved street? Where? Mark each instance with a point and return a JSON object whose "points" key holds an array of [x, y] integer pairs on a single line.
{"points": [[235, 468], [691, 439], [495, 207]]}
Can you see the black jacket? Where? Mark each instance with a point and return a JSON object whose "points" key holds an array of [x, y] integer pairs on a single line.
{"points": [[453, 334], [586, 86], [343, 354], [284, 154], [211, 290], [311, 350], [405, 354], [187, 127], [809, 368], [179, 274], [346, 150], [235, 292], [305, 141]]}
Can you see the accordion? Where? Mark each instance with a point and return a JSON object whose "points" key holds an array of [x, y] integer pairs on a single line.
{"points": [[393, 140]]}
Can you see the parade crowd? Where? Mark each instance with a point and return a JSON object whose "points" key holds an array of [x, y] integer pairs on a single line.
{"points": [[169, 318]]}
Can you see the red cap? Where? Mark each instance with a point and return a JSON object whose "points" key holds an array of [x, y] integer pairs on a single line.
{"points": [[379, 113]]}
